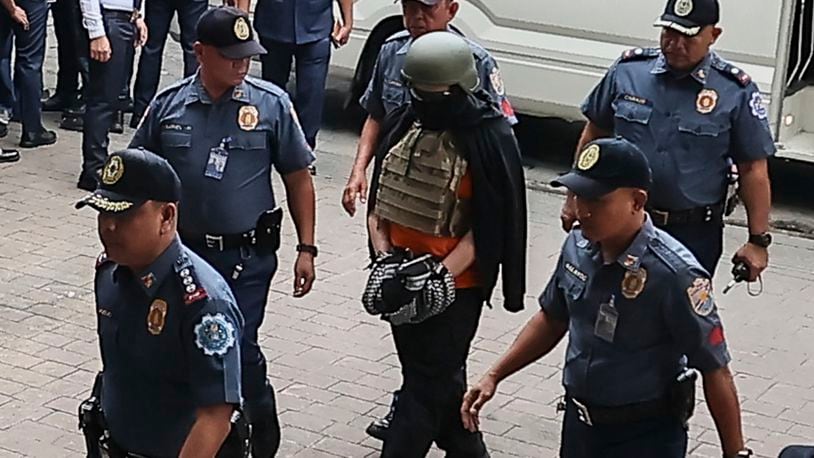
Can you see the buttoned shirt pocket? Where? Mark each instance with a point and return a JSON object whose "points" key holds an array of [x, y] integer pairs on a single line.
{"points": [[632, 119], [701, 142], [249, 142], [394, 95], [572, 289], [174, 141]]}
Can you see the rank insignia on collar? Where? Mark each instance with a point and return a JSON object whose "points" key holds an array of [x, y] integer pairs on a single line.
{"points": [[700, 295], [148, 280], [156, 317], [214, 334], [633, 283], [248, 117], [707, 101]]}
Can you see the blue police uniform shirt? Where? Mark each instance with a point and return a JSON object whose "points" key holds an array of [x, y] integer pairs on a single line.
{"points": [[169, 339], [665, 316], [386, 91], [294, 21], [688, 125], [257, 127]]}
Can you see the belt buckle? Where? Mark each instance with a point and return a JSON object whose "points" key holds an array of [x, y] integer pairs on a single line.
{"points": [[660, 218], [214, 241], [582, 412]]}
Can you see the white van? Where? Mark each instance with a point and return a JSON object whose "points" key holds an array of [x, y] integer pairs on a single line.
{"points": [[552, 52]]}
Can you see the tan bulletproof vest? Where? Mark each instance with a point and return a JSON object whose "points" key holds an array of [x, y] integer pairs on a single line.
{"points": [[418, 186]]}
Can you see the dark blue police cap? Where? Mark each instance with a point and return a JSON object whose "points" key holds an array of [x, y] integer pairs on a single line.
{"points": [[228, 29], [130, 178], [604, 166], [689, 16]]}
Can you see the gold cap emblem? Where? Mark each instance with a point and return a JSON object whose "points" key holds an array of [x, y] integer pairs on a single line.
{"points": [[242, 31], [113, 171], [588, 157]]}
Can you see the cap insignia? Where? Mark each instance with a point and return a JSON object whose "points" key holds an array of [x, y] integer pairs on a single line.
{"points": [[113, 171], [683, 8], [242, 29], [588, 157]]}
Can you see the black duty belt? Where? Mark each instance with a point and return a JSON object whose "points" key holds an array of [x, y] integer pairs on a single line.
{"points": [[698, 215], [629, 413], [118, 13], [220, 242]]}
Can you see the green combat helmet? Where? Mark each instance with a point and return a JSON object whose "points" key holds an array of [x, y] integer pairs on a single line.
{"points": [[441, 59]]}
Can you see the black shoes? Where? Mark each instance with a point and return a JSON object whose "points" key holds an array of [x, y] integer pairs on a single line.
{"points": [[42, 138], [118, 123], [377, 429], [58, 102], [3, 129], [9, 155]]}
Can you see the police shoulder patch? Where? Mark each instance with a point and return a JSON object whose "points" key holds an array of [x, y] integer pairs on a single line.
{"points": [[700, 295], [214, 334], [639, 54]]}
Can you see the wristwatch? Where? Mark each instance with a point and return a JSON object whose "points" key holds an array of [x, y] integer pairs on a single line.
{"points": [[310, 249], [762, 240]]}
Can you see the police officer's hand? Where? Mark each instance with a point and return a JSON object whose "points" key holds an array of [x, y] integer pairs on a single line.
{"points": [[141, 33], [355, 189], [568, 214], [341, 34], [100, 49], [474, 399], [755, 257], [19, 16], [304, 275]]}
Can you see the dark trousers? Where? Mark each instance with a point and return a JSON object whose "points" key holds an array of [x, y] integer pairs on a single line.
{"points": [[102, 96], [311, 71], [159, 14], [6, 83], [660, 438], [29, 54], [433, 364], [251, 290], [704, 240], [67, 53]]}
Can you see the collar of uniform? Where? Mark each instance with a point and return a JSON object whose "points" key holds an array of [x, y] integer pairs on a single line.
{"points": [[150, 279], [197, 93], [406, 46], [631, 259], [699, 74]]}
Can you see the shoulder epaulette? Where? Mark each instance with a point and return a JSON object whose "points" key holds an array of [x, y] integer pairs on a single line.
{"points": [[101, 260], [672, 259], [398, 36], [193, 290], [731, 71], [639, 54], [174, 86], [263, 85]]}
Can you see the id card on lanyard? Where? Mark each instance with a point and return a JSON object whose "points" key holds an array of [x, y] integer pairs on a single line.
{"points": [[218, 157]]}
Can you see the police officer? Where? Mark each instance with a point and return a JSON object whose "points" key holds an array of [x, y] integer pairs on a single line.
{"points": [[158, 15], [690, 111], [386, 90], [224, 132], [447, 187], [114, 29], [26, 19], [302, 30], [168, 325], [639, 310]]}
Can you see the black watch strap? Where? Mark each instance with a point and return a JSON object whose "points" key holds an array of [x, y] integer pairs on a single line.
{"points": [[310, 249], [762, 240]]}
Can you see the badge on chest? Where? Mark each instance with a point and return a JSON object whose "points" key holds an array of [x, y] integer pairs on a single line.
{"points": [[157, 316], [633, 283]]}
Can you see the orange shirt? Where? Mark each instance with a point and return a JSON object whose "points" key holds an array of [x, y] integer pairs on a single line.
{"points": [[421, 243]]}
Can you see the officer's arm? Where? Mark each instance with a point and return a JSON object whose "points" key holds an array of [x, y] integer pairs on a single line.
{"points": [[210, 429], [146, 135], [591, 132], [539, 336], [299, 188], [722, 400], [367, 145], [756, 192], [462, 256], [92, 18], [379, 230]]}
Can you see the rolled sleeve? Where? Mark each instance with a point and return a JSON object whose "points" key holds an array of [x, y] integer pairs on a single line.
{"points": [[492, 83], [212, 338], [552, 300], [598, 106], [292, 152], [751, 136], [692, 317]]}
